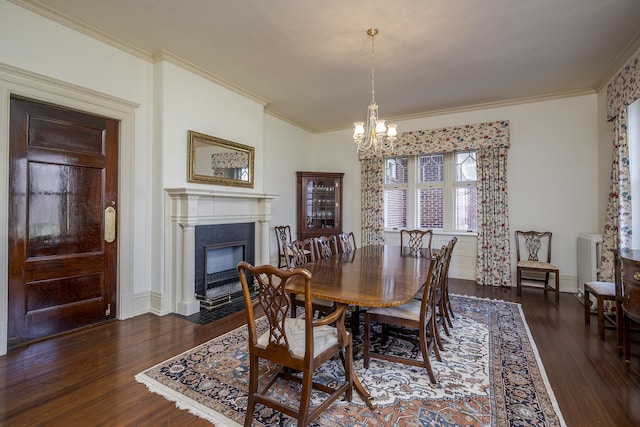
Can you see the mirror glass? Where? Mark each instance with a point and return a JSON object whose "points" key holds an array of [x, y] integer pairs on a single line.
{"points": [[218, 161]]}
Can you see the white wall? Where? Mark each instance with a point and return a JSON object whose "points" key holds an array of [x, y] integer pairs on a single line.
{"points": [[552, 170], [287, 149]]}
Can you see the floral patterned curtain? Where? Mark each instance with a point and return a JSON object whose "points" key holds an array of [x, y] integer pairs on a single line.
{"points": [[491, 141], [494, 253], [372, 175], [617, 227], [623, 90]]}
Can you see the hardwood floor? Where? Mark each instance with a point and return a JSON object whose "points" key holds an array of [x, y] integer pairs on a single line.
{"points": [[86, 377]]}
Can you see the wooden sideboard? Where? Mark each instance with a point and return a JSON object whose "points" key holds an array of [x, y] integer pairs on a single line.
{"points": [[628, 296]]}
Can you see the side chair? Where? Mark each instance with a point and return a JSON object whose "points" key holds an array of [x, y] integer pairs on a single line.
{"points": [[322, 245], [412, 321], [440, 304], [446, 308], [301, 252], [416, 240], [535, 263], [294, 344], [346, 242], [283, 236]]}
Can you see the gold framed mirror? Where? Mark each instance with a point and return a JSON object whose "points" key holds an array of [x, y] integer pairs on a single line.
{"points": [[214, 160]]}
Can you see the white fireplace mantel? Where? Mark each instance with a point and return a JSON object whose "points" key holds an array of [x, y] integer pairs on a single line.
{"points": [[185, 208]]}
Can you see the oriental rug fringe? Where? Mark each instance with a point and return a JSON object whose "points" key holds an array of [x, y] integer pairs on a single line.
{"points": [[490, 375]]}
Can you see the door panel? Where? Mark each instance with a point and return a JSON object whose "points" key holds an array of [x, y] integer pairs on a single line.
{"points": [[63, 174]]}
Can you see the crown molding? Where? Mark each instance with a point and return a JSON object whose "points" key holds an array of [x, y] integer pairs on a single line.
{"points": [[165, 55], [290, 120], [632, 47], [46, 12], [53, 15]]}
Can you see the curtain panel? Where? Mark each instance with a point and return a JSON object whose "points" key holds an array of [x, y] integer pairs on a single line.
{"points": [[491, 142], [622, 91], [372, 202], [494, 250], [617, 226]]}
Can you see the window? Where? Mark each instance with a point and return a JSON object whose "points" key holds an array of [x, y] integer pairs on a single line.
{"points": [[431, 191]]}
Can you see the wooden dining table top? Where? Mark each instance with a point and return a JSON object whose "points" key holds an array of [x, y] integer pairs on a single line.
{"points": [[370, 276]]}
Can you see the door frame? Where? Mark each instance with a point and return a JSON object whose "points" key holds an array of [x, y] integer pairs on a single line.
{"points": [[45, 89]]}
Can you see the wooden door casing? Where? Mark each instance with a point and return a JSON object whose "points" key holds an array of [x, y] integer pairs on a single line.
{"points": [[63, 175]]}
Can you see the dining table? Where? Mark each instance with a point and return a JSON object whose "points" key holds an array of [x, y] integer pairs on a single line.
{"points": [[369, 276]]}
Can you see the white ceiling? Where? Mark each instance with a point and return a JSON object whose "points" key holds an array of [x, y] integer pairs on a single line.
{"points": [[310, 60]]}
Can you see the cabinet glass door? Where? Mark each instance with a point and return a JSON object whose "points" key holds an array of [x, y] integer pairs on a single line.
{"points": [[321, 204]]}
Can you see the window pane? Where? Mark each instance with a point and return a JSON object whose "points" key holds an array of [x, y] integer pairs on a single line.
{"points": [[430, 212], [395, 170], [431, 168], [395, 208], [466, 208], [466, 166]]}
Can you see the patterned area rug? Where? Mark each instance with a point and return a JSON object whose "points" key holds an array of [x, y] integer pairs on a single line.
{"points": [[490, 375]]}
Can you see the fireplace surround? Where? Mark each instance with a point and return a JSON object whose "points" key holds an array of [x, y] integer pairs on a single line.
{"points": [[186, 209]]}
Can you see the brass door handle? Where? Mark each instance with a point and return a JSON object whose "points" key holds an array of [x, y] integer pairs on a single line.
{"points": [[636, 275], [109, 224]]}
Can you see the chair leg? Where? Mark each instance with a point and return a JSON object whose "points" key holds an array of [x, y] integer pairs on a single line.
{"points": [[601, 317], [305, 399], [518, 280], [253, 389], [557, 286], [425, 356], [587, 307], [434, 333], [450, 309]]}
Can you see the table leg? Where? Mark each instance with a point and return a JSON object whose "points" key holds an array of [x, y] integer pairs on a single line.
{"points": [[359, 388], [364, 394]]}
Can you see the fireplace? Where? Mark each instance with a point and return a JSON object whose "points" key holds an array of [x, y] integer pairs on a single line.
{"points": [[219, 248], [189, 211]]}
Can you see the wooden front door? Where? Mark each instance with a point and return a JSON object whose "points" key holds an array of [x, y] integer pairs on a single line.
{"points": [[62, 219]]}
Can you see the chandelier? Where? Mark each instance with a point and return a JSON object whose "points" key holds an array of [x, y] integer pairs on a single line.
{"points": [[374, 134]]}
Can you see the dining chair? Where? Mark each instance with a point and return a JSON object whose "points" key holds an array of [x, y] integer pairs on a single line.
{"points": [[294, 344], [416, 240], [322, 245], [412, 321], [300, 253], [283, 236], [441, 296], [346, 242], [602, 291], [535, 265], [445, 310]]}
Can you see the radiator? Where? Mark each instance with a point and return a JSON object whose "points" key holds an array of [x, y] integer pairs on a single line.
{"points": [[589, 250]]}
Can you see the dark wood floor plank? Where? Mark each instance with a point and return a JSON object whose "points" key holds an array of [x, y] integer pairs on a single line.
{"points": [[87, 377]]}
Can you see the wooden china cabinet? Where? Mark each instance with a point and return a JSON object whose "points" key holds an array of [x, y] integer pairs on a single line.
{"points": [[319, 204]]}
